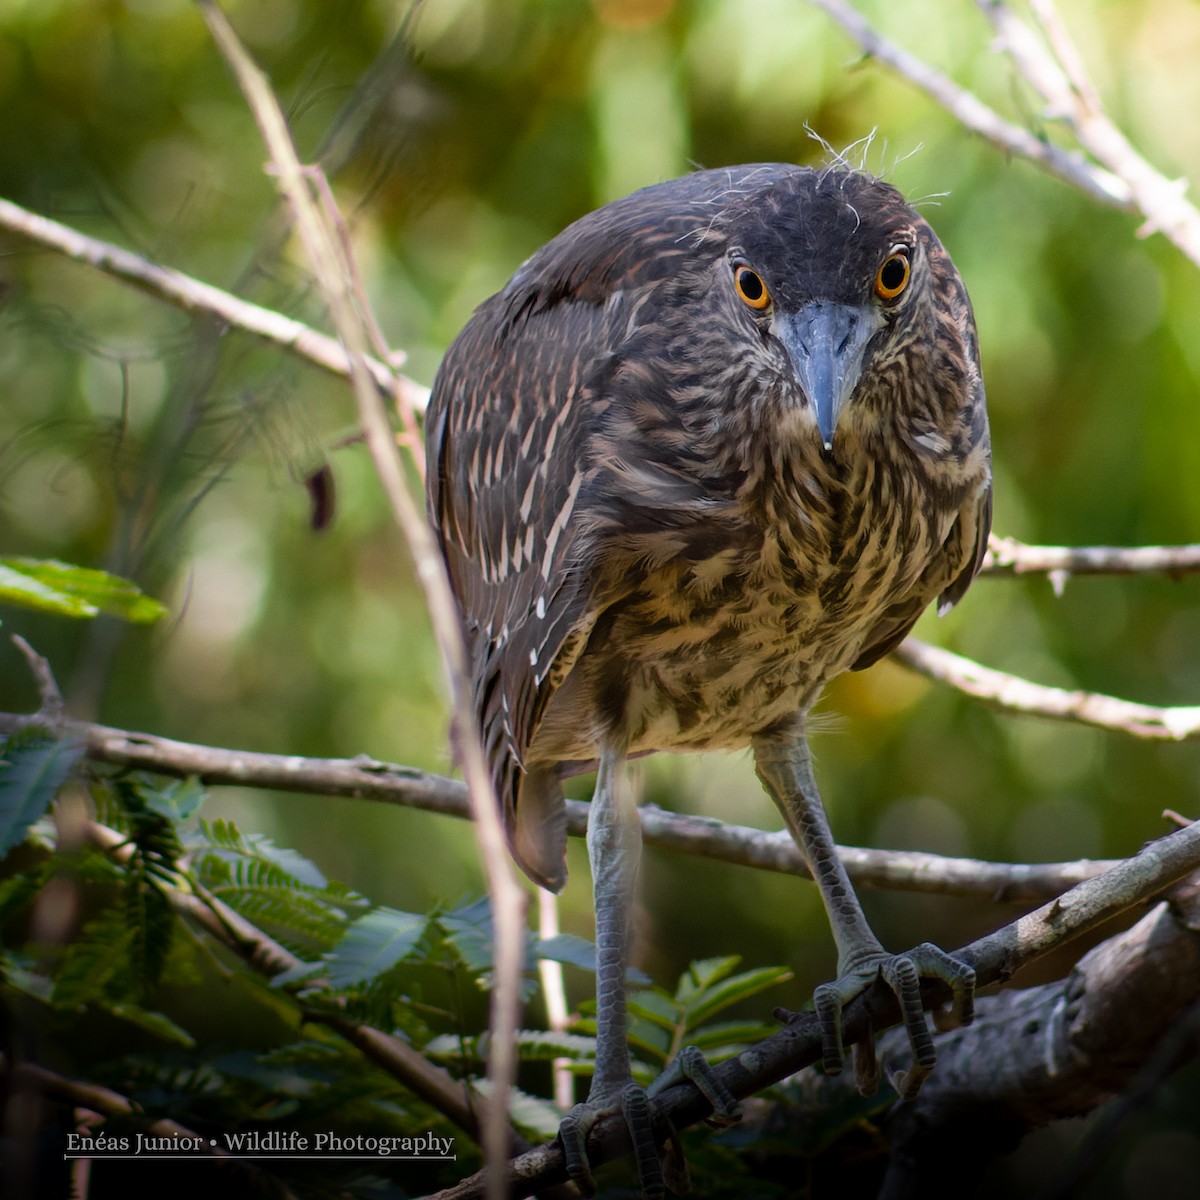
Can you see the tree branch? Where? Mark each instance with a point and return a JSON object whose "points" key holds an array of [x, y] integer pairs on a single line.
{"points": [[1007, 556], [329, 255], [367, 779], [1011, 694], [192, 296], [1119, 176], [995, 958], [1111, 1026], [978, 117], [1054, 69]]}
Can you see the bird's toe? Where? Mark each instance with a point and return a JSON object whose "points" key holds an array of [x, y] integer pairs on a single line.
{"points": [[902, 974]]}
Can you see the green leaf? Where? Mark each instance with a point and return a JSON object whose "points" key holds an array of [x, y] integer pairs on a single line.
{"points": [[373, 945], [569, 949], [703, 1005], [156, 1023], [20, 590], [33, 765], [532, 1113], [704, 973], [656, 1007], [152, 920], [176, 800], [468, 931], [252, 859], [71, 591], [95, 968]]}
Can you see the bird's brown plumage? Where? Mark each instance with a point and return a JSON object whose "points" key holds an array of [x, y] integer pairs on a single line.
{"points": [[650, 545]]}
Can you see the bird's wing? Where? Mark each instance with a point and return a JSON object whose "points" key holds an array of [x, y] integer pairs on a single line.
{"points": [[947, 577], [507, 435]]}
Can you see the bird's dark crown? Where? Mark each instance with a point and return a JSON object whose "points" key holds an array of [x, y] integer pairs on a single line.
{"points": [[800, 219], [821, 235]]}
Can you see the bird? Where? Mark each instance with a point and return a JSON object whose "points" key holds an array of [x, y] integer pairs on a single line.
{"points": [[715, 443]]}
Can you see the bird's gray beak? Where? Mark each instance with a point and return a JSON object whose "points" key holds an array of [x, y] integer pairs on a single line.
{"points": [[825, 342]]}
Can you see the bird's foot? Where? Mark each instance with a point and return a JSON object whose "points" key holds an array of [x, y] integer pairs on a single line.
{"points": [[658, 1173], [902, 973]]}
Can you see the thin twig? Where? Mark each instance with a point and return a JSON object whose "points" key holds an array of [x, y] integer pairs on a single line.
{"points": [[1054, 70], [52, 707], [1012, 694], [334, 275], [366, 779], [193, 296], [975, 115], [1115, 173], [1007, 556]]}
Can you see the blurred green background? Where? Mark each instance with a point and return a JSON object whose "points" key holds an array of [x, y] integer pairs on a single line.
{"points": [[459, 136]]}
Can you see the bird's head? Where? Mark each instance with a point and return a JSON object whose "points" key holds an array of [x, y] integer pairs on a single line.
{"points": [[853, 308]]}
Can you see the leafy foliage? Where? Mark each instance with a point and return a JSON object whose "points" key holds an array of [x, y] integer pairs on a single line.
{"points": [[662, 1022], [275, 888], [374, 944], [134, 960]]}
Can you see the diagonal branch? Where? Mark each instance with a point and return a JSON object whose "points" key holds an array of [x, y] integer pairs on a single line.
{"points": [[328, 255], [1054, 69], [1115, 173], [194, 296], [995, 958], [975, 115], [1124, 1018], [1012, 694]]}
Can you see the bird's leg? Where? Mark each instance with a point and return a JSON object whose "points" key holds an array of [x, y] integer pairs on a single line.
{"points": [[614, 841], [784, 765]]}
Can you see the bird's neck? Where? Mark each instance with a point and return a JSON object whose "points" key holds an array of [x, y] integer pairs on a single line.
{"points": [[828, 506]]}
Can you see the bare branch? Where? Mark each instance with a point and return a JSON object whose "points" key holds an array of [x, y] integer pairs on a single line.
{"points": [[48, 691], [975, 115], [995, 958], [1055, 71], [328, 254], [1007, 556], [193, 296], [1115, 173], [1010, 693], [367, 779]]}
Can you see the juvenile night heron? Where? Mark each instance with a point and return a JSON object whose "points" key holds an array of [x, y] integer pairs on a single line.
{"points": [[712, 445]]}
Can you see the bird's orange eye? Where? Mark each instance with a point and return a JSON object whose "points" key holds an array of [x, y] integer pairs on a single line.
{"points": [[892, 277], [751, 288]]}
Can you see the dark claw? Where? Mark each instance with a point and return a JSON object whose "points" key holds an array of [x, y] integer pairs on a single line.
{"points": [[573, 1131], [866, 1065], [635, 1106]]}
